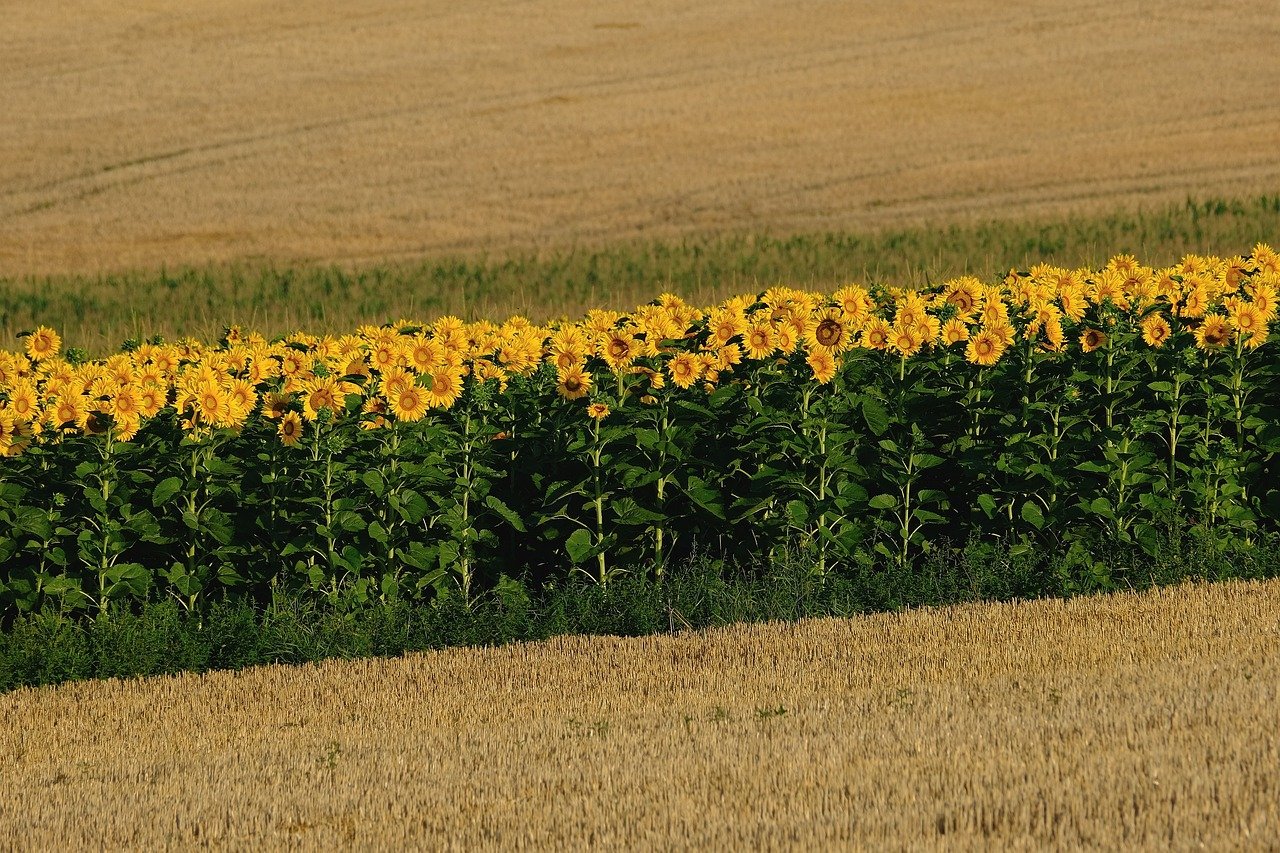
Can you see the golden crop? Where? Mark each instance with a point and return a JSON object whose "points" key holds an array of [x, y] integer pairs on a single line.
{"points": [[1117, 722]]}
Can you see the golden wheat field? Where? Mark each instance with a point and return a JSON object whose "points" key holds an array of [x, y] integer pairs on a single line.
{"points": [[1131, 720], [151, 133]]}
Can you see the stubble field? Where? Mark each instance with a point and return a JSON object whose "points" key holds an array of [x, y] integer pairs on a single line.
{"points": [[172, 133], [1124, 721]]}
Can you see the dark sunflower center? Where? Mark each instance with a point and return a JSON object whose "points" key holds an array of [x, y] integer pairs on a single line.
{"points": [[829, 333]]}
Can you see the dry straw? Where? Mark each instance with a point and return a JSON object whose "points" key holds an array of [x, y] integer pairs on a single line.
{"points": [[1132, 720]]}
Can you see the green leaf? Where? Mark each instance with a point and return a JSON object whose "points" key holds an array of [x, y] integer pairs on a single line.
{"points": [[216, 524], [987, 504], [165, 490], [373, 482], [579, 545], [798, 513], [874, 414], [508, 515], [350, 521], [1032, 515], [883, 502]]}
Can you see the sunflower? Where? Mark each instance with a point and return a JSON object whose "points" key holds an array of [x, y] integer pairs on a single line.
{"points": [[1264, 297], [211, 405], [854, 302], [1071, 300], [290, 429], [685, 369], [954, 331], [965, 294], [43, 343], [1195, 302], [67, 413], [1249, 322], [243, 399], [446, 387], [910, 311], [151, 399], [727, 356], [1055, 338], [1266, 258], [321, 394], [1091, 339], [829, 331], [408, 403], [23, 400], [1214, 331], [1155, 330], [875, 335], [759, 341], [126, 428], [574, 383], [618, 348], [985, 348], [293, 363], [787, 338], [125, 404], [599, 411], [906, 340], [823, 365], [8, 431]]}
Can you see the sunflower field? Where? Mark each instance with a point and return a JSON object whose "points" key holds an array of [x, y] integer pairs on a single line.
{"points": [[1057, 408]]}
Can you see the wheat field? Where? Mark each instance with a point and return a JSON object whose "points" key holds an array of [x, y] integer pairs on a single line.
{"points": [[151, 133], [1130, 720]]}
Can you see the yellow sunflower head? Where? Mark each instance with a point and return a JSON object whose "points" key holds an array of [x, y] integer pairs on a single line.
{"points": [[574, 383]]}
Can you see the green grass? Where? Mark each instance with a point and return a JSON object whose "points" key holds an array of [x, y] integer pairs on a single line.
{"points": [[98, 312]]}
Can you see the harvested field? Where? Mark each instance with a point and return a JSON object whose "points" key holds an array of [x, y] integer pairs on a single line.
{"points": [[1128, 720], [169, 132]]}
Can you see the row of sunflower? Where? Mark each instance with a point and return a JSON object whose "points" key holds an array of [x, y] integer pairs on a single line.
{"points": [[1125, 403]]}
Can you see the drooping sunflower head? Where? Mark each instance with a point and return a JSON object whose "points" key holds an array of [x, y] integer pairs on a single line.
{"points": [[1092, 339]]}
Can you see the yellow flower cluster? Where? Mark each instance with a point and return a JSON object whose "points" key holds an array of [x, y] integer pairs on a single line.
{"points": [[401, 371]]}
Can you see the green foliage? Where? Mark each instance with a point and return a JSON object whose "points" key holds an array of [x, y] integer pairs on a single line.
{"points": [[159, 637]]}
